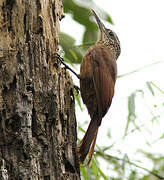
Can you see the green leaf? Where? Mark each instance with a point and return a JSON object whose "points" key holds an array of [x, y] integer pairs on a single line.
{"points": [[109, 133], [84, 173], [150, 87], [105, 16], [94, 169], [131, 110], [90, 36], [131, 104], [159, 89], [124, 162], [80, 14], [109, 19], [161, 137], [147, 177], [133, 175], [139, 69], [81, 129], [72, 54], [103, 175]]}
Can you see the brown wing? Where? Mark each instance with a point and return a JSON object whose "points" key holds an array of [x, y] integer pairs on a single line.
{"points": [[104, 72]]}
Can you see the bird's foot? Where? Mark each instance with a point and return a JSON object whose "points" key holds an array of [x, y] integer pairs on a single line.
{"points": [[66, 66]]}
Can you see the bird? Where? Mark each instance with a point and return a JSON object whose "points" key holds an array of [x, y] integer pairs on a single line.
{"points": [[98, 73]]}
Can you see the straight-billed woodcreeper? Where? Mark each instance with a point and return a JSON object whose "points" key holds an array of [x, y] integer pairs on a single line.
{"points": [[97, 76], [98, 73]]}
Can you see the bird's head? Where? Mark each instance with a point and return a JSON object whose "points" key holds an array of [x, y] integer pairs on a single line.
{"points": [[108, 37]]}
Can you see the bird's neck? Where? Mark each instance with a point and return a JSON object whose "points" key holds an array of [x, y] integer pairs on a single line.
{"points": [[109, 46]]}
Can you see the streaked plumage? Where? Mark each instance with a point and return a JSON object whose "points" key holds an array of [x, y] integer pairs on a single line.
{"points": [[98, 73]]}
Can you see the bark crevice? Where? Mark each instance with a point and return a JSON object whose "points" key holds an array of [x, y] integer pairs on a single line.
{"points": [[37, 117]]}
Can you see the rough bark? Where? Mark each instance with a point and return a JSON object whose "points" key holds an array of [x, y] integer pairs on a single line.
{"points": [[37, 117]]}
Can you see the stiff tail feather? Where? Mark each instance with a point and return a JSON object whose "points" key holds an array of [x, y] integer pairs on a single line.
{"points": [[92, 147], [88, 139]]}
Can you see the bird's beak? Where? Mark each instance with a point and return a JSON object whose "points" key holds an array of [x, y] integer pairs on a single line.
{"points": [[100, 24]]}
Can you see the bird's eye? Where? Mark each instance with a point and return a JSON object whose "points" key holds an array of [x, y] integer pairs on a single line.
{"points": [[111, 34]]}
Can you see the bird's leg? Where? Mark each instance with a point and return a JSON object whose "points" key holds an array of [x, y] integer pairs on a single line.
{"points": [[66, 66]]}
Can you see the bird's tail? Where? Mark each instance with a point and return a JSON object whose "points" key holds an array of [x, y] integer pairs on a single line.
{"points": [[88, 139]]}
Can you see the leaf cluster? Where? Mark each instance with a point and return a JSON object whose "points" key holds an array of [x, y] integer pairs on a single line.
{"points": [[82, 15]]}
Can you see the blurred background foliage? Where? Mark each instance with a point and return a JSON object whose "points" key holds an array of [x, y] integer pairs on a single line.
{"points": [[82, 15], [122, 167]]}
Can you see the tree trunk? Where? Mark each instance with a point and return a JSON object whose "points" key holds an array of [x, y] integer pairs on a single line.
{"points": [[37, 117]]}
